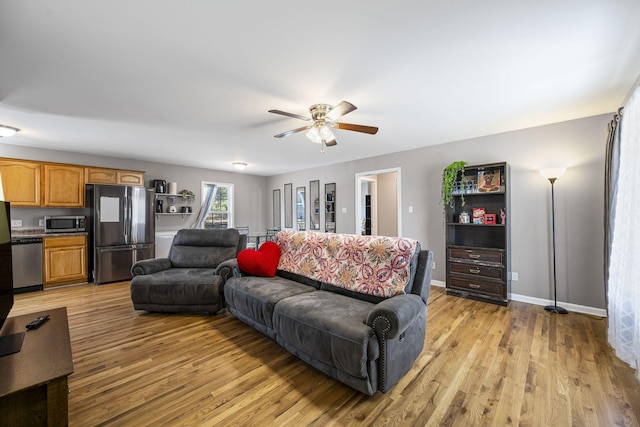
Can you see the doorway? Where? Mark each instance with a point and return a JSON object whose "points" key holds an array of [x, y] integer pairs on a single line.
{"points": [[378, 195]]}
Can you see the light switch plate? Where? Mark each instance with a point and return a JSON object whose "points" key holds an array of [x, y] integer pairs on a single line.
{"points": [[16, 223]]}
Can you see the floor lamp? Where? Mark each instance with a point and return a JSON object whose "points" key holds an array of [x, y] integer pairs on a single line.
{"points": [[552, 175]]}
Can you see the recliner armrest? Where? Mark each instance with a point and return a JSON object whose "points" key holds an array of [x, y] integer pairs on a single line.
{"points": [[150, 266], [228, 268], [392, 316]]}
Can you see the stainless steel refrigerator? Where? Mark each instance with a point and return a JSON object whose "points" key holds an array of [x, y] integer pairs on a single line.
{"points": [[122, 229]]}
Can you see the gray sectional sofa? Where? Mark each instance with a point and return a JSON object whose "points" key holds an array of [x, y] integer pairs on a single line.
{"points": [[354, 307]]}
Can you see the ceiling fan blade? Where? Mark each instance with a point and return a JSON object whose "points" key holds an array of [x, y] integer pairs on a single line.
{"points": [[340, 110], [357, 128], [330, 143], [289, 132], [295, 116]]}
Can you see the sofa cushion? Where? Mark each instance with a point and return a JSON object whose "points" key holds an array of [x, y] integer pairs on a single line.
{"points": [[299, 278], [256, 297], [374, 265], [329, 327], [262, 262], [177, 286]]}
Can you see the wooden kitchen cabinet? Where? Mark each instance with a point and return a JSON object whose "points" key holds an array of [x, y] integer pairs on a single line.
{"points": [[99, 175], [65, 260], [21, 182], [130, 178], [95, 175], [63, 185]]}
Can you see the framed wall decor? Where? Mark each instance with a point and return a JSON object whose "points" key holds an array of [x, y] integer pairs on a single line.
{"points": [[288, 206], [301, 208], [488, 181], [276, 209]]}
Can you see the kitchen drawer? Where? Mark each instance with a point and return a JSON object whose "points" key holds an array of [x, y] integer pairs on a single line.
{"points": [[477, 270], [477, 255], [476, 285], [63, 241]]}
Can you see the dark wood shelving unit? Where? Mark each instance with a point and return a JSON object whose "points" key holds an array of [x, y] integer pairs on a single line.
{"points": [[478, 255]]}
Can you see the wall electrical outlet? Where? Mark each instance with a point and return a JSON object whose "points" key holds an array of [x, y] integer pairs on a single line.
{"points": [[16, 223], [41, 223], [514, 276], [410, 209]]}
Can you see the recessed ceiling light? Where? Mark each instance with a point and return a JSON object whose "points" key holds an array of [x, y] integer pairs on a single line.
{"points": [[239, 165], [6, 131]]}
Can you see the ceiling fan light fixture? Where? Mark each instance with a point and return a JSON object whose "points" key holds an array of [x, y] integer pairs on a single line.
{"points": [[314, 135], [326, 133], [7, 131]]}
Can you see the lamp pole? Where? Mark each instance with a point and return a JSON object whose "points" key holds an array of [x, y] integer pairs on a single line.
{"points": [[554, 308]]}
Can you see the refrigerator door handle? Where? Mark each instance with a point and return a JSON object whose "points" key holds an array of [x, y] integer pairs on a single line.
{"points": [[127, 220]]}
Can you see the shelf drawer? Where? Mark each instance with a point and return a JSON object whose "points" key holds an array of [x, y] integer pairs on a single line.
{"points": [[478, 255], [476, 285], [477, 270]]}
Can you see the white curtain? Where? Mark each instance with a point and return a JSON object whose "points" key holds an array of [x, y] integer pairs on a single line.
{"points": [[209, 197], [623, 282]]}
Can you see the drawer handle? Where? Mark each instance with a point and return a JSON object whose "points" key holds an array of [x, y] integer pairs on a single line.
{"points": [[471, 285], [474, 270], [474, 256]]}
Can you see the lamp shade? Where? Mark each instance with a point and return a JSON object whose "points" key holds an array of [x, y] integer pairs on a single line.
{"points": [[552, 173], [314, 135], [326, 134]]}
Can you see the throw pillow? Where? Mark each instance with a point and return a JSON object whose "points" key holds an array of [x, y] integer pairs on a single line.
{"points": [[263, 262]]}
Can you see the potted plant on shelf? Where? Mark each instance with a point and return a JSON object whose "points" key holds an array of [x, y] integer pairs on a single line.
{"points": [[187, 194], [449, 179]]}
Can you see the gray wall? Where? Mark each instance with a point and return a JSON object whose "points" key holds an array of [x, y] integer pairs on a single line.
{"points": [[578, 144], [249, 190]]}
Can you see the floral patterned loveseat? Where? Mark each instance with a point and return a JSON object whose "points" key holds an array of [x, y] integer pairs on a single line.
{"points": [[353, 307]]}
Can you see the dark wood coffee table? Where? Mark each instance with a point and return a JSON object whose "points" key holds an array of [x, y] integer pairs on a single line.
{"points": [[33, 382]]}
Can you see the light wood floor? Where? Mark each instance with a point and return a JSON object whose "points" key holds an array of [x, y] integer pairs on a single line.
{"points": [[482, 365]]}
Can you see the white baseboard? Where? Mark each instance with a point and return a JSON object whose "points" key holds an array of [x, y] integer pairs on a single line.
{"points": [[601, 312], [544, 302]]}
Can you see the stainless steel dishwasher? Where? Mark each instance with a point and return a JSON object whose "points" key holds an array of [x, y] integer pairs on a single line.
{"points": [[26, 254]]}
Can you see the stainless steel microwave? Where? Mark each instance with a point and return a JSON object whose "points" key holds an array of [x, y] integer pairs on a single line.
{"points": [[64, 223]]}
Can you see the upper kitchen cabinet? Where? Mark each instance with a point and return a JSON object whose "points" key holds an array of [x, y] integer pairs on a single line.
{"points": [[21, 182], [63, 185], [113, 176], [130, 178]]}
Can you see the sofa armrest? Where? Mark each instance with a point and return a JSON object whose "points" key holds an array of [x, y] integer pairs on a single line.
{"points": [[227, 269], [390, 318], [150, 266]]}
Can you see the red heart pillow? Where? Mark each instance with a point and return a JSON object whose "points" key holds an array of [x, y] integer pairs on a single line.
{"points": [[263, 262]]}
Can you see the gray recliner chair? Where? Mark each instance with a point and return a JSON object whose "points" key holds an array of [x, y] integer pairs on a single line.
{"points": [[191, 278]]}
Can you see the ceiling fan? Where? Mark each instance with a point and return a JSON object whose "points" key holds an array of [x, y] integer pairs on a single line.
{"points": [[324, 118]]}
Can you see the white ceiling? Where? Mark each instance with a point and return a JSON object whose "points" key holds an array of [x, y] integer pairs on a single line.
{"points": [[190, 82]]}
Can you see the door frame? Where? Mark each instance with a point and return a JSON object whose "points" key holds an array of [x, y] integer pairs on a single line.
{"points": [[361, 176]]}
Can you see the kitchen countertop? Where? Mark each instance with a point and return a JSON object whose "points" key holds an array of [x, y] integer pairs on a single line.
{"points": [[17, 233]]}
